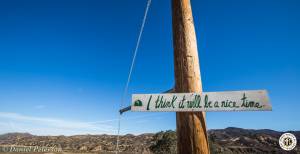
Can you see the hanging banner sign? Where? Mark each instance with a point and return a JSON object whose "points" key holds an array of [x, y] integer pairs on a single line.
{"points": [[253, 100]]}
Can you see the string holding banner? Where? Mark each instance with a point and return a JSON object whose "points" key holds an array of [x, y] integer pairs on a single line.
{"points": [[130, 71]]}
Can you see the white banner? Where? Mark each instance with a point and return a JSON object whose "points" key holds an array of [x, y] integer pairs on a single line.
{"points": [[253, 100]]}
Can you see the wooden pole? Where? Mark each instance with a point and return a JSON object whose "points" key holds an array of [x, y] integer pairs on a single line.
{"points": [[191, 127]]}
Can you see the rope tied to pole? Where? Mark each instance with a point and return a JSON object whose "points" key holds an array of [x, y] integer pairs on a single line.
{"points": [[130, 71]]}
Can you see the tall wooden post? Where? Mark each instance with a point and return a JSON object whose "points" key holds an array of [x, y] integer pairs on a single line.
{"points": [[191, 126]]}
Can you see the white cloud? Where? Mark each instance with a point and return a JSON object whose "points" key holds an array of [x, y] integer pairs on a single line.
{"points": [[38, 124], [15, 122], [128, 118]]}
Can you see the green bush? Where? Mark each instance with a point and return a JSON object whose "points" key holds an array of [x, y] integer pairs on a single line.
{"points": [[164, 142]]}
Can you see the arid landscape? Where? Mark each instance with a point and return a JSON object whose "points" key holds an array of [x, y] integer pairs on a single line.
{"points": [[228, 141]]}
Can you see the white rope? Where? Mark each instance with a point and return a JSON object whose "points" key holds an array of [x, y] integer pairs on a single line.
{"points": [[130, 71]]}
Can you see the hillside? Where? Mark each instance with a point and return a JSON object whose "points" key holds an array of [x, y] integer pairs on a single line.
{"points": [[229, 140]]}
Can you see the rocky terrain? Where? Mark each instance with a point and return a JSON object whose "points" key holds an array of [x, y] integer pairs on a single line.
{"points": [[229, 140], [237, 140]]}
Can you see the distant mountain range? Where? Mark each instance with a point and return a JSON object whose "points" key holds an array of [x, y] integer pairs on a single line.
{"points": [[227, 141], [238, 140]]}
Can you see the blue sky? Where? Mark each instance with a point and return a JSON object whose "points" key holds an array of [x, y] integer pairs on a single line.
{"points": [[64, 64]]}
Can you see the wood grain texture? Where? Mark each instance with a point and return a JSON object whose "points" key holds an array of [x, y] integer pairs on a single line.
{"points": [[191, 127]]}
